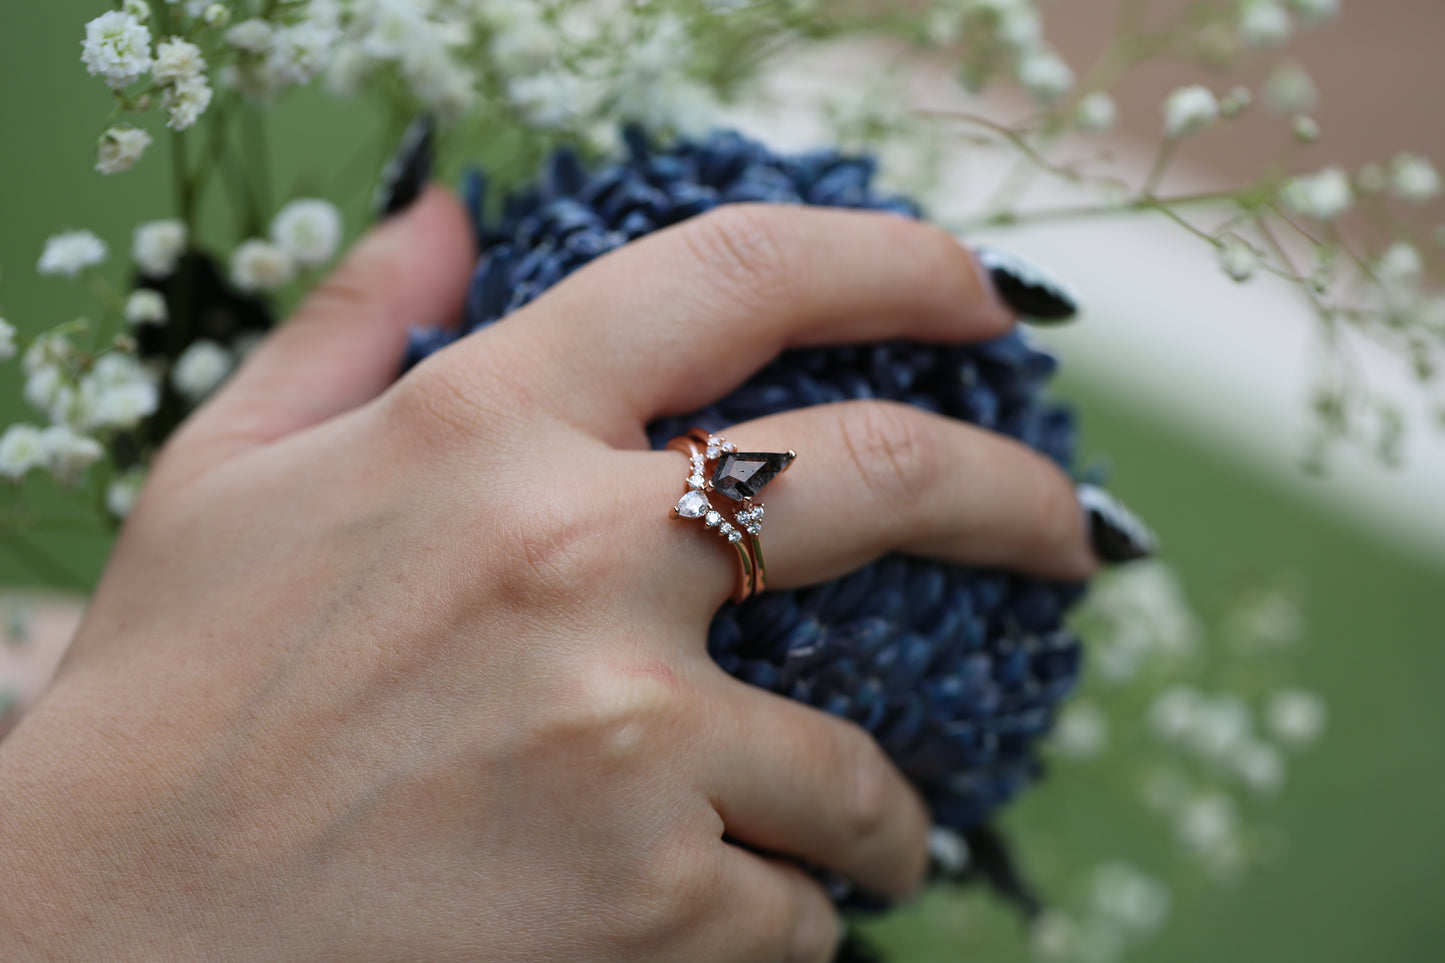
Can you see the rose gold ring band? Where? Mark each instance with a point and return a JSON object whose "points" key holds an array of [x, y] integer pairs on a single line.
{"points": [[719, 471]]}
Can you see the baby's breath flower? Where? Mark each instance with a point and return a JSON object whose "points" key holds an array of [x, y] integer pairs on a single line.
{"points": [[250, 36], [7, 340], [1175, 712], [200, 370], [1296, 717], [1222, 726], [309, 231], [117, 48], [157, 247], [1208, 822], [138, 9], [185, 101], [68, 454], [1264, 23], [177, 61], [299, 53], [216, 15], [1306, 129], [145, 306], [1260, 767], [548, 100], [1324, 195], [121, 494], [1045, 75], [1401, 262], [261, 266], [120, 148], [21, 450], [1238, 259], [524, 46], [48, 350], [1236, 102], [1189, 110], [1290, 89], [71, 253], [1132, 899], [1097, 112], [1413, 178], [1315, 12], [117, 392], [1082, 732]]}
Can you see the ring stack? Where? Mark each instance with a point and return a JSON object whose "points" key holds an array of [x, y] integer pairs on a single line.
{"points": [[717, 468]]}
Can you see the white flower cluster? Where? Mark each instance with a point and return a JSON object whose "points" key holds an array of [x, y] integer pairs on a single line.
{"points": [[272, 54], [1124, 906], [1268, 23], [117, 48], [1147, 620], [1013, 33], [305, 235]]}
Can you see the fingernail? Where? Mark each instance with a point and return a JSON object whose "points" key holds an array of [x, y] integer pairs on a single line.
{"points": [[407, 173], [1117, 534], [1029, 289]]}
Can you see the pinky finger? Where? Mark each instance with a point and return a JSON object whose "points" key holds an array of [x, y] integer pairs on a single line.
{"points": [[777, 912]]}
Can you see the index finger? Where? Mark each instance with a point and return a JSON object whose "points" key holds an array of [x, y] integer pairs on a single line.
{"points": [[677, 319]]}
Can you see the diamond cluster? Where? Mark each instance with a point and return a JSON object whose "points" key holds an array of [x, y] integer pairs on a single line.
{"points": [[696, 504]]}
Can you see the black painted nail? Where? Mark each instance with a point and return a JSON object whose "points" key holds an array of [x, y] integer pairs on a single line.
{"points": [[407, 173], [1118, 535], [1030, 290]]}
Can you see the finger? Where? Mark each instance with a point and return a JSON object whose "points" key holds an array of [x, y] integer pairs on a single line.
{"points": [[790, 779], [345, 343], [700, 306], [873, 477], [771, 910]]}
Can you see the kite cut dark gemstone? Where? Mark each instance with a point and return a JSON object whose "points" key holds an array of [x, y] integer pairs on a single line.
{"points": [[742, 474]]}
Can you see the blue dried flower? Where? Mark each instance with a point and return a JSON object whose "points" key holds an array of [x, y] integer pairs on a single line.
{"points": [[956, 671]]}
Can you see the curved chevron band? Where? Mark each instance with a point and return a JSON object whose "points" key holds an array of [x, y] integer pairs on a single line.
{"points": [[718, 469]]}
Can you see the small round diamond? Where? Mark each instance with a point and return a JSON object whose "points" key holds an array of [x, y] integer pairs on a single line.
{"points": [[726, 529], [696, 481], [713, 452], [735, 536], [713, 519], [755, 529]]}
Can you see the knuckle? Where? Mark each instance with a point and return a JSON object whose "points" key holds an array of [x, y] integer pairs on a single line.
{"points": [[550, 550], [617, 710], [674, 885], [748, 248], [891, 451]]}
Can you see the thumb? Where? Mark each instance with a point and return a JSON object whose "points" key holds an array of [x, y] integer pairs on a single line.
{"points": [[345, 343]]}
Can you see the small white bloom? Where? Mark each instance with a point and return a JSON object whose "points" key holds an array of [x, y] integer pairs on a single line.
{"points": [[120, 148], [1130, 898], [117, 392], [121, 494], [21, 450], [145, 306], [70, 253], [1238, 259], [1306, 129], [548, 100], [1045, 75], [138, 9], [1315, 12], [525, 47], [1082, 732], [1222, 727], [1054, 936], [251, 36], [261, 266], [1175, 712], [49, 350], [68, 453], [1401, 262], [1097, 112], [1413, 178], [7, 340], [157, 247], [1290, 89], [1189, 110], [1208, 821], [1324, 195], [1295, 717], [186, 101], [216, 15], [350, 68], [309, 231], [117, 47], [1236, 102], [1264, 23], [1260, 767], [299, 53], [49, 391], [176, 61], [200, 370]]}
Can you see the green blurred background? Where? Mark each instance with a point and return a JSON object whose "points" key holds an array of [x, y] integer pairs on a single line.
{"points": [[1361, 878]]}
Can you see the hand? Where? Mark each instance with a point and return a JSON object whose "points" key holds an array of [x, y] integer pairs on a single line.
{"points": [[417, 670]]}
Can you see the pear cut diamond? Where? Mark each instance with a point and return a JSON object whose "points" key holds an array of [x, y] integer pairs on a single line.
{"points": [[693, 505], [742, 474]]}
